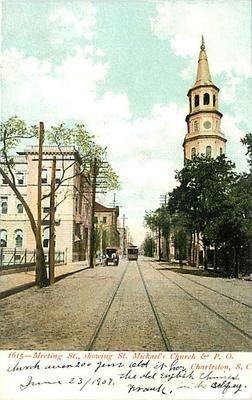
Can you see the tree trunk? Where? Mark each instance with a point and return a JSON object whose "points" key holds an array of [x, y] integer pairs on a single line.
{"points": [[197, 249], [41, 279], [39, 248], [236, 262], [193, 249], [167, 243], [215, 260], [205, 256], [159, 243], [180, 257]]}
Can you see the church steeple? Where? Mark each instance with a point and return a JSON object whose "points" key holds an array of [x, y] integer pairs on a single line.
{"points": [[204, 134], [203, 73]]}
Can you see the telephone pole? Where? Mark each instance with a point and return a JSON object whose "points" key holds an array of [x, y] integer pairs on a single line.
{"points": [[124, 234], [92, 212], [52, 225], [40, 269]]}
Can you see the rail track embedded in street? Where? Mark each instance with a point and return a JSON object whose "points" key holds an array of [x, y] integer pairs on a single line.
{"points": [[157, 318], [216, 291], [204, 304], [105, 313]]}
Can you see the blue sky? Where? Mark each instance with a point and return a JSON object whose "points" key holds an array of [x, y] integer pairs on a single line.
{"points": [[124, 68]]}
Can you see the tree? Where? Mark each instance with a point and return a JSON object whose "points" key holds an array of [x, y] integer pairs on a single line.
{"points": [[14, 132], [148, 246], [93, 166], [203, 195], [247, 141], [179, 236], [159, 221]]}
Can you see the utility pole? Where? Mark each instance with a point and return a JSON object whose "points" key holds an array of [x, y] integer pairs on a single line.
{"points": [[124, 235], [159, 242], [92, 212], [114, 200], [52, 224], [40, 270]]}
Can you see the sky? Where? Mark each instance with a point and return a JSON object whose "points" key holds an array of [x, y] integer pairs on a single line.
{"points": [[123, 67]]}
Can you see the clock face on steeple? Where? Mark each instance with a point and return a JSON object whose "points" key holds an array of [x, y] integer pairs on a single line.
{"points": [[207, 124]]}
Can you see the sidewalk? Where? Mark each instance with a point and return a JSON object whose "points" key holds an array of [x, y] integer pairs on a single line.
{"points": [[18, 279]]}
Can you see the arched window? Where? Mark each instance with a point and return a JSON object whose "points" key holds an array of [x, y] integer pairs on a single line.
{"points": [[196, 125], [196, 100], [193, 152], [46, 237], [3, 205], [214, 100], [208, 151], [3, 238], [221, 151], [19, 238], [206, 99]]}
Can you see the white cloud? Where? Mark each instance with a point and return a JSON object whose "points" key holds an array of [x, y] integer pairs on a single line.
{"points": [[220, 22], [144, 151], [234, 147], [226, 26], [67, 25]]}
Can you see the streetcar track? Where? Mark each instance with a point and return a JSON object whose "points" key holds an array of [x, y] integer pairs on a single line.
{"points": [[205, 305], [213, 290], [105, 313], [156, 315]]}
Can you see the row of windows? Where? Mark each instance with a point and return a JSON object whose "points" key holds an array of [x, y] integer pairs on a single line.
{"points": [[45, 175], [18, 237], [20, 177], [206, 100], [4, 206], [208, 151]]}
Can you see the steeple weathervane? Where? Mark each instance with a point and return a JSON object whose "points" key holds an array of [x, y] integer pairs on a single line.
{"points": [[202, 44], [203, 73]]}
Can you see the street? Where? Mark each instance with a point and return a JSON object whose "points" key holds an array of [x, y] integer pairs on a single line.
{"points": [[143, 305]]}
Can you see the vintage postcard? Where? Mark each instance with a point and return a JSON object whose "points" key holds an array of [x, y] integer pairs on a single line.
{"points": [[125, 200]]}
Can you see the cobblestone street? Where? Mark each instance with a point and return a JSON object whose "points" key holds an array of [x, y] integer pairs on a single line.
{"points": [[144, 305]]}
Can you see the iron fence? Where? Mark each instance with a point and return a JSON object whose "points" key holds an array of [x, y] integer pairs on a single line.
{"points": [[22, 257]]}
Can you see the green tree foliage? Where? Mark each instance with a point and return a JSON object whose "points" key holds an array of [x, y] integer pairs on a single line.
{"points": [[81, 140], [205, 184], [215, 202], [247, 141], [15, 132], [148, 246], [158, 222], [179, 236]]}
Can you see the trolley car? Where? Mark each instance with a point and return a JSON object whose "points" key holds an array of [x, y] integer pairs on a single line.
{"points": [[132, 253]]}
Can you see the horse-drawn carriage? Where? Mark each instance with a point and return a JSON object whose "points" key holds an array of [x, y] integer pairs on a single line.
{"points": [[111, 256]]}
